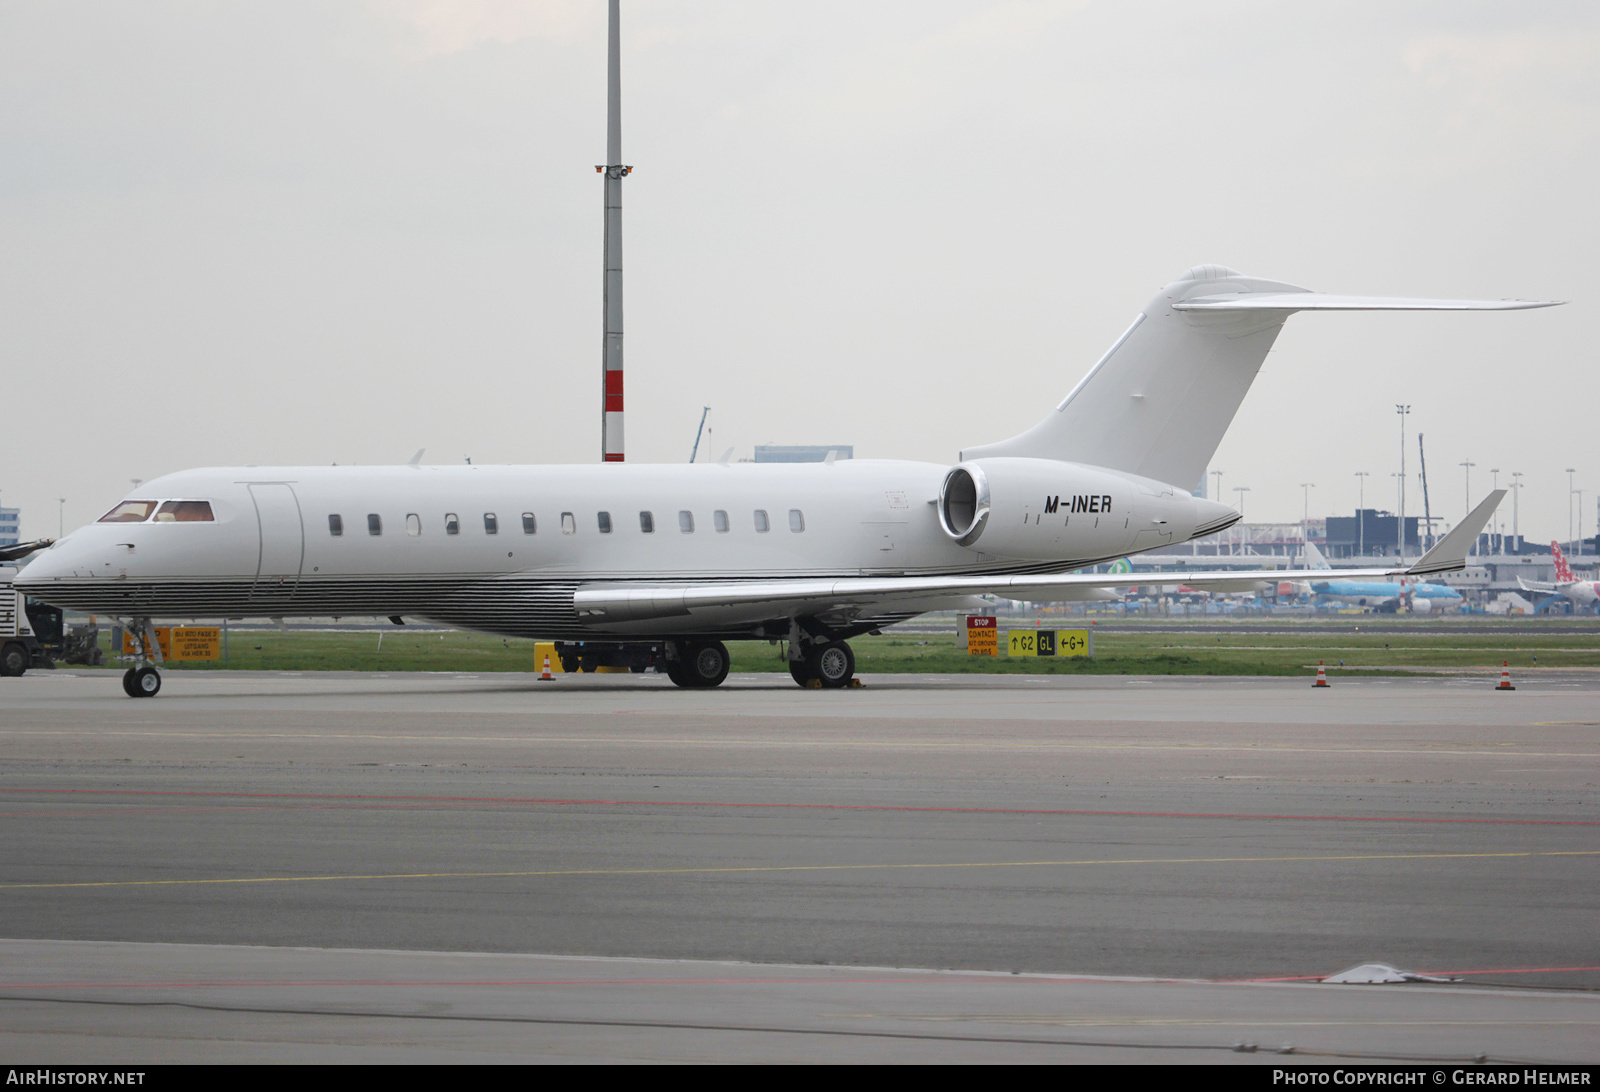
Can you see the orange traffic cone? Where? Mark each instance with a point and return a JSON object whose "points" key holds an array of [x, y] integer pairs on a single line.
{"points": [[545, 675], [1505, 676], [1322, 675]]}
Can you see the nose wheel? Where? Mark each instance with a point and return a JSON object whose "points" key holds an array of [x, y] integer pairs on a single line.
{"points": [[141, 682]]}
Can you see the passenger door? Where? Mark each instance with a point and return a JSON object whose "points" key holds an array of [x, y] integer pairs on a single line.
{"points": [[283, 541]]}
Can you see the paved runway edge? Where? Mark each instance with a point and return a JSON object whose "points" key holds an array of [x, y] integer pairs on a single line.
{"points": [[101, 1001]]}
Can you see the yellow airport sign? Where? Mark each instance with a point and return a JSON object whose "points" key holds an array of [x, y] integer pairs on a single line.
{"points": [[1049, 642], [183, 642], [983, 637]]}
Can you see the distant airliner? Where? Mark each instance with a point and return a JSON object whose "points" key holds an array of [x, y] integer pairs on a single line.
{"points": [[1583, 593], [1385, 596], [687, 557]]}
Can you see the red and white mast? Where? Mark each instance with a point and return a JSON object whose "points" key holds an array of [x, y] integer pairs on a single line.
{"points": [[611, 445]]}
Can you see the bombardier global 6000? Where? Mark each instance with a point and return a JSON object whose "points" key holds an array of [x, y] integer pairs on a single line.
{"points": [[683, 558]]}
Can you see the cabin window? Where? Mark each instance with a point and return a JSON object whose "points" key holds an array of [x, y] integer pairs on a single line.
{"points": [[686, 522], [529, 524], [413, 524], [720, 519], [647, 523], [569, 526], [129, 512], [763, 525], [452, 523], [335, 525], [797, 520], [604, 520], [185, 512], [374, 523], [491, 523]]}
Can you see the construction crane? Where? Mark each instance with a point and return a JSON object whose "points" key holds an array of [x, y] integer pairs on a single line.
{"points": [[699, 433]]}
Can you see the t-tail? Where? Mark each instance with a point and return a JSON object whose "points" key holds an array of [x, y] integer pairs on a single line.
{"points": [[1158, 401]]}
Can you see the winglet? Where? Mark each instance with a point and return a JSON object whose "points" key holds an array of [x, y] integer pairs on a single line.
{"points": [[1451, 552], [416, 460]]}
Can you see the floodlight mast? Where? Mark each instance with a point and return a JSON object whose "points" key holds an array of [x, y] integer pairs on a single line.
{"points": [[611, 445]]}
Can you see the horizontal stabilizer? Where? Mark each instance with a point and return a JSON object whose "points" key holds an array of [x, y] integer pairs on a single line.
{"points": [[1288, 302]]}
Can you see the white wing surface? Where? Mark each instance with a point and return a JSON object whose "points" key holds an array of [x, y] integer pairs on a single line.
{"points": [[754, 601]]}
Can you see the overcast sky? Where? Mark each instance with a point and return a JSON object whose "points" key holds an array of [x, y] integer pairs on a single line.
{"points": [[280, 232]]}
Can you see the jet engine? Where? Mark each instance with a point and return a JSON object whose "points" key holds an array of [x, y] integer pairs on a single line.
{"points": [[1041, 509]]}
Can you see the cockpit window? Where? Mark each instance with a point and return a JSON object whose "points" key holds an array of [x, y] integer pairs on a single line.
{"points": [[129, 512], [185, 512]]}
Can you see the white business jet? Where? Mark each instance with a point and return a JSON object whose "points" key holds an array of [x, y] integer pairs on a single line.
{"points": [[683, 558]]}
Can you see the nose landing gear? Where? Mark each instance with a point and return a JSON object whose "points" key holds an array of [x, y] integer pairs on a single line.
{"points": [[142, 680]]}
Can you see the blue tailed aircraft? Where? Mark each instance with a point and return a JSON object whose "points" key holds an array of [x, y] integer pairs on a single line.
{"points": [[1379, 595]]}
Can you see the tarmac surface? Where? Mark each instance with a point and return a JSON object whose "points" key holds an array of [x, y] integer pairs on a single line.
{"points": [[448, 867]]}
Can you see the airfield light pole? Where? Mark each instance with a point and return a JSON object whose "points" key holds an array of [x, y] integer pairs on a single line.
{"points": [[611, 448], [1361, 511], [1570, 472], [1494, 471], [1469, 464], [61, 517], [1217, 486], [1399, 544], [1241, 490], [1578, 543], [1516, 498], [1305, 516], [1402, 410]]}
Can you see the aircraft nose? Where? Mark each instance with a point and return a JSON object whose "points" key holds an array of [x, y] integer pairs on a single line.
{"points": [[40, 569]]}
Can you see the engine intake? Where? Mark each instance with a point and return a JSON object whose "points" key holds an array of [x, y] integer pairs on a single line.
{"points": [[964, 503]]}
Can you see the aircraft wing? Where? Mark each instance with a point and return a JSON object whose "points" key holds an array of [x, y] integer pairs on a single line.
{"points": [[758, 600], [1537, 585], [1287, 302]]}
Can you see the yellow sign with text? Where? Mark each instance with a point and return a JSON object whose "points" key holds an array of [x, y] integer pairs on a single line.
{"points": [[183, 642], [1048, 642], [983, 638]]}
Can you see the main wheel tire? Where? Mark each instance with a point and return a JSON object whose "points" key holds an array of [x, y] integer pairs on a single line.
{"points": [[705, 663], [799, 672], [833, 663], [13, 659], [146, 682], [127, 682], [678, 674]]}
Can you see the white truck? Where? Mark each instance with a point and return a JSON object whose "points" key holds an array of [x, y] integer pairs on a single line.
{"points": [[32, 634], [20, 646]]}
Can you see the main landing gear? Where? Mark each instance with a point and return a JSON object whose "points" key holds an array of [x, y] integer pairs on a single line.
{"points": [[142, 680], [697, 663], [818, 659]]}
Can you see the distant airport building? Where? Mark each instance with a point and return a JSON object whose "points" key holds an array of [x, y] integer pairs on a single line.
{"points": [[10, 526], [802, 453]]}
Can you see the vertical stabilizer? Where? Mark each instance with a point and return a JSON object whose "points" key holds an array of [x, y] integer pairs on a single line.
{"points": [[1563, 570], [1159, 400], [1157, 403], [1314, 558]]}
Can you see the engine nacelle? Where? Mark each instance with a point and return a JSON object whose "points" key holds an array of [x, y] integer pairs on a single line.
{"points": [[1041, 509]]}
